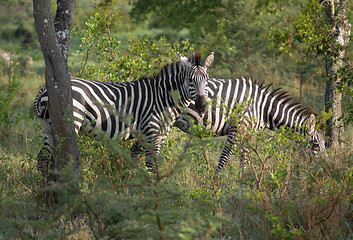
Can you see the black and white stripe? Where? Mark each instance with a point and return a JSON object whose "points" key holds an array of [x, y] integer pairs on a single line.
{"points": [[259, 108], [124, 110]]}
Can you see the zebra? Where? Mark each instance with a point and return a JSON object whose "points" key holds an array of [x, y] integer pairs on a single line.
{"points": [[260, 108], [146, 106]]}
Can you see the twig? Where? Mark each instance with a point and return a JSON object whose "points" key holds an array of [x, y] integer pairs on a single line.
{"points": [[258, 179], [286, 179], [213, 182]]}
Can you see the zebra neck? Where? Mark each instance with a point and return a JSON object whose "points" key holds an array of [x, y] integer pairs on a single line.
{"points": [[171, 88], [295, 122]]}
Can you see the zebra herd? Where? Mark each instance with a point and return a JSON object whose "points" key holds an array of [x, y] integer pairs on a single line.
{"points": [[257, 106], [149, 107]]}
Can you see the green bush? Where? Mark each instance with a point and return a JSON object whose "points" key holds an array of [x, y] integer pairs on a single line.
{"points": [[106, 57]]}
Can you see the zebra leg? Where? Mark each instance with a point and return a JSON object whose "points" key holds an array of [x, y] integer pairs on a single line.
{"points": [[45, 155], [227, 150], [152, 150], [136, 149]]}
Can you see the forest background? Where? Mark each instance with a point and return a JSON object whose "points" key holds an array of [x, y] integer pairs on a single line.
{"points": [[284, 193]]}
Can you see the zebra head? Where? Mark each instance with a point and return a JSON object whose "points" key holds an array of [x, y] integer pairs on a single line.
{"points": [[317, 141], [198, 78]]}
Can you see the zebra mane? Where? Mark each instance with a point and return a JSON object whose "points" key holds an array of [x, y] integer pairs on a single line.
{"points": [[197, 56], [195, 60], [164, 69], [307, 111], [280, 94]]}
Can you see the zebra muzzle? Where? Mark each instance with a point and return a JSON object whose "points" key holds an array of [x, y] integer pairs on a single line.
{"points": [[200, 103]]}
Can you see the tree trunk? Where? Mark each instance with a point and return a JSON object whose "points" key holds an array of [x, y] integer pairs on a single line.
{"points": [[333, 97], [54, 40]]}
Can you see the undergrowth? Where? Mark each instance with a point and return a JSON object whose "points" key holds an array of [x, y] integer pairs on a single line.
{"points": [[282, 192]]}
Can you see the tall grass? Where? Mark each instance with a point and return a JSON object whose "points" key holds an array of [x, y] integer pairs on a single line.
{"points": [[282, 193]]}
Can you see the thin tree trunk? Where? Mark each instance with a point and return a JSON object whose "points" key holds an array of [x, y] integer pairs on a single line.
{"points": [[333, 97], [54, 39]]}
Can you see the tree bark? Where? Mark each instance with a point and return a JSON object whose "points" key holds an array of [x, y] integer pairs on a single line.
{"points": [[54, 40], [341, 29]]}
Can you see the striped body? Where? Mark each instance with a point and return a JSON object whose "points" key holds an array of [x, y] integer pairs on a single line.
{"points": [[126, 110], [259, 108]]}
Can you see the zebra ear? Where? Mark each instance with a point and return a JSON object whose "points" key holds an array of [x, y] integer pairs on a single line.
{"points": [[310, 124], [209, 60], [182, 58]]}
